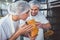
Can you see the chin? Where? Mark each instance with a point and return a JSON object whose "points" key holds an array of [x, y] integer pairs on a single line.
{"points": [[34, 14]]}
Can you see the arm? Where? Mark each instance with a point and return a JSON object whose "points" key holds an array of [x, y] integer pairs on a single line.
{"points": [[20, 31], [15, 35], [44, 26]]}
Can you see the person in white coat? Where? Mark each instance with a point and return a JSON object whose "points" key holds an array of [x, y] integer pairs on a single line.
{"points": [[42, 22], [9, 25]]}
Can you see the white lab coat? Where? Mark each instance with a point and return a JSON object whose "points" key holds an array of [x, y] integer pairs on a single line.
{"points": [[5, 28], [39, 18]]}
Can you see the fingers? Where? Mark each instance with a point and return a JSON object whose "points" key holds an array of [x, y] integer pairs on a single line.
{"points": [[39, 25], [26, 28]]}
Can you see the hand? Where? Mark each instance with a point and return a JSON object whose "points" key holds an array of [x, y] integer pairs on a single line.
{"points": [[20, 31], [38, 24], [25, 29]]}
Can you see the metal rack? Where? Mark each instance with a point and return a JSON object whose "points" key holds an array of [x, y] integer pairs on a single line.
{"points": [[53, 17]]}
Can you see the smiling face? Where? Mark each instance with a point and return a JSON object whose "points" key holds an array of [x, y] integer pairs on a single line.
{"points": [[34, 10]]}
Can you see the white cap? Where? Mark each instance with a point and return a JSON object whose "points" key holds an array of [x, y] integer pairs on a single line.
{"points": [[34, 2], [18, 7]]}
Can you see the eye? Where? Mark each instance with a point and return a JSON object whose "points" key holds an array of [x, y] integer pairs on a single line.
{"points": [[27, 12], [36, 9]]}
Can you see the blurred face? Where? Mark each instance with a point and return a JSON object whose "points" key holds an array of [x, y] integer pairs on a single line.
{"points": [[24, 16], [21, 16], [34, 10]]}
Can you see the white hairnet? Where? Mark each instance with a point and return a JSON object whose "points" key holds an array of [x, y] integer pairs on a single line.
{"points": [[34, 2], [19, 6]]}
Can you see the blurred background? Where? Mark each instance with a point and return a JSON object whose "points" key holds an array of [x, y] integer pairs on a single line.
{"points": [[49, 8]]}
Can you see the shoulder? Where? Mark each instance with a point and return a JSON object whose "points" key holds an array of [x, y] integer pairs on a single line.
{"points": [[40, 13], [42, 18]]}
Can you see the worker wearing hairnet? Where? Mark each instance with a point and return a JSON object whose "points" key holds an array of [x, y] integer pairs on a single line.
{"points": [[9, 25], [42, 22]]}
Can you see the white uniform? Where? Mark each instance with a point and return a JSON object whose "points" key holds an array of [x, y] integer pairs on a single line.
{"points": [[7, 27], [39, 18]]}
